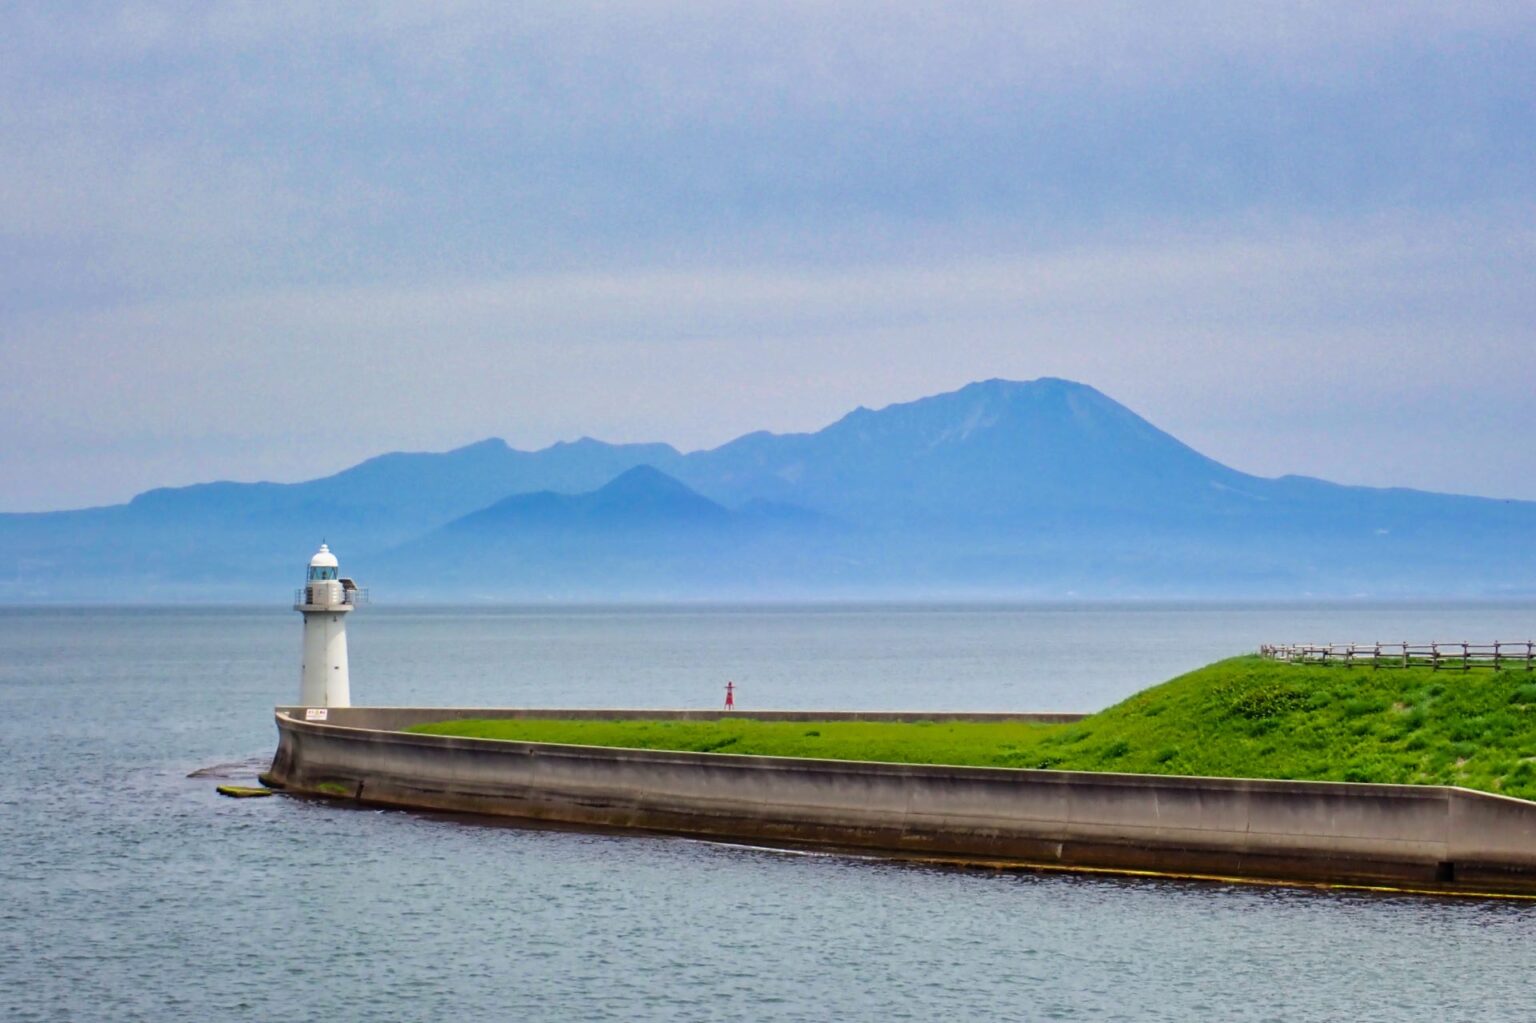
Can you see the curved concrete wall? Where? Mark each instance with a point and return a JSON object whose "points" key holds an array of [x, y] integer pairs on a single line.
{"points": [[1433, 838]]}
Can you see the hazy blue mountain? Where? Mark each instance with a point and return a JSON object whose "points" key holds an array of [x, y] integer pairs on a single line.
{"points": [[230, 540], [642, 534], [638, 499], [997, 449], [1001, 488], [397, 495]]}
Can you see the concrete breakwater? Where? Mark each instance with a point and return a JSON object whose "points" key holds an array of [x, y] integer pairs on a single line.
{"points": [[1431, 838]]}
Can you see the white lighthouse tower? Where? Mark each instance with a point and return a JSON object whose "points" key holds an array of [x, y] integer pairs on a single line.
{"points": [[325, 601]]}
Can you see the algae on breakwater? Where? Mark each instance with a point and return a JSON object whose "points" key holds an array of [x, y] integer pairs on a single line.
{"points": [[243, 791]]}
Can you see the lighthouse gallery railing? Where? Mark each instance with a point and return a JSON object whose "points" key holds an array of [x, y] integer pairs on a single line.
{"points": [[349, 597]]}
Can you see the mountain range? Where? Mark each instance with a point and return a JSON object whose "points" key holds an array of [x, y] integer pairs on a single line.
{"points": [[1001, 489]]}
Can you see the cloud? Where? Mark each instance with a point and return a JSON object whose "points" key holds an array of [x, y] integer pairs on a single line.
{"points": [[189, 147], [1319, 330]]}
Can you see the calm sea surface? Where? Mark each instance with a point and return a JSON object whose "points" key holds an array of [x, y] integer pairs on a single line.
{"points": [[129, 891]]}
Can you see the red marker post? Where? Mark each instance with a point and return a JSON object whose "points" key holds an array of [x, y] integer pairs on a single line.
{"points": [[730, 695]]}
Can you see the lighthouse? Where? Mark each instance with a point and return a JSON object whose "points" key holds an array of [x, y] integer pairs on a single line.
{"points": [[325, 602]]}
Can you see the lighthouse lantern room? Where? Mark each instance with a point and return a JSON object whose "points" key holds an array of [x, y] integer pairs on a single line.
{"points": [[325, 602]]}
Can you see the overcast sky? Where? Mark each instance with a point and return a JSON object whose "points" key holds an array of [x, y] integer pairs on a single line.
{"points": [[267, 240]]}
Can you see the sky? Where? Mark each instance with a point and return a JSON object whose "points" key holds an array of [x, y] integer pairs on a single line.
{"points": [[268, 240]]}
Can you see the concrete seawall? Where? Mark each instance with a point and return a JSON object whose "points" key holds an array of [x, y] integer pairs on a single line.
{"points": [[1423, 837]]}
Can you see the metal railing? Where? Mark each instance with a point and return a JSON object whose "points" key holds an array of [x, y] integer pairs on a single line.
{"points": [[349, 598], [1438, 656]]}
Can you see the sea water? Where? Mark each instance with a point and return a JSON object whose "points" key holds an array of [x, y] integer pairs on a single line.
{"points": [[130, 891]]}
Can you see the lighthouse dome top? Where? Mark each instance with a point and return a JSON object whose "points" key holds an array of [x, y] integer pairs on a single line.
{"points": [[323, 558]]}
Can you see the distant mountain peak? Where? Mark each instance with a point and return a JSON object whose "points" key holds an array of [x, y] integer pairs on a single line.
{"points": [[488, 445], [591, 446], [642, 497], [646, 494], [961, 413], [1001, 390], [646, 480]]}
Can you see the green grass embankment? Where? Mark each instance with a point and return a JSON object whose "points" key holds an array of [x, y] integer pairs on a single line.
{"points": [[1244, 717]]}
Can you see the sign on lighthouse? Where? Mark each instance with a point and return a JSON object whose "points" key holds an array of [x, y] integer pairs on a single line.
{"points": [[325, 601]]}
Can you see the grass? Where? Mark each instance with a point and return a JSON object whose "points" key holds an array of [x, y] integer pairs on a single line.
{"points": [[919, 742], [1244, 717]]}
